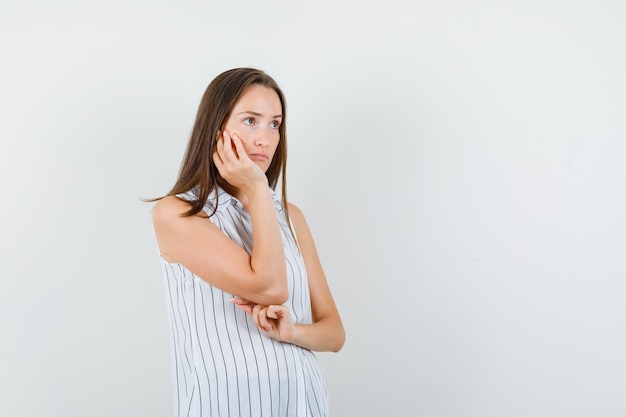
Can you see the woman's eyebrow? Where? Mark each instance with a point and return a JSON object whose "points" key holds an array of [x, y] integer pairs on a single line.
{"points": [[253, 113]]}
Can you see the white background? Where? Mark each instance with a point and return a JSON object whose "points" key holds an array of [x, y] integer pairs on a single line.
{"points": [[461, 165]]}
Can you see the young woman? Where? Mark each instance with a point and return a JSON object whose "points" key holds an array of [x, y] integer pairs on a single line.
{"points": [[248, 298]]}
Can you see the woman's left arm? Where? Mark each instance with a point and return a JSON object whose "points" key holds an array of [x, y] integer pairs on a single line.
{"points": [[326, 333]]}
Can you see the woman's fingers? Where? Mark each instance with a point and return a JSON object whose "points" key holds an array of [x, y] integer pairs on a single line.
{"points": [[263, 320], [224, 157], [255, 314], [221, 148], [241, 301], [217, 154], [228, 147], [275, 311], [259, 316], [243, 304], [265, 317], [224, 149], [238, 145]]}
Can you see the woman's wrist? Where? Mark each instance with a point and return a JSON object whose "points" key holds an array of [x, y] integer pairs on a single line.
{"points": [[295, 335], [258, 189], [257, 193]]}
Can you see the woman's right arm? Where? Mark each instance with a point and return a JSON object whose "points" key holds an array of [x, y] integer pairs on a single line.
{"points": [[200, 246]]}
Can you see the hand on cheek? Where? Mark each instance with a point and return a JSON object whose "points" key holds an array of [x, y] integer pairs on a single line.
{"points": [[233, 163]]}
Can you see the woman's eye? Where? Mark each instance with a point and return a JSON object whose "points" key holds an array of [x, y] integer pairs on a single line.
{"points": [[249, 121], [275, 124]]}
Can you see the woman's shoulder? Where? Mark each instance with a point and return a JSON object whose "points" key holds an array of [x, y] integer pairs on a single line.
{"points": [[294, 210], [169, 207], [296, 215]]}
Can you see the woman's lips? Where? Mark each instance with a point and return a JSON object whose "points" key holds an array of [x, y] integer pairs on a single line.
{"points": [[258, 157]]}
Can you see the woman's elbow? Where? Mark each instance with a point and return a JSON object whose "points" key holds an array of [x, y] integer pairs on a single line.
{"points": [[281, 296], [340, 340], [276, 295]]}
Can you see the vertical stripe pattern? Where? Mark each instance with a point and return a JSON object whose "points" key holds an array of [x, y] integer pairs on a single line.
{"points": [[223, 365]]}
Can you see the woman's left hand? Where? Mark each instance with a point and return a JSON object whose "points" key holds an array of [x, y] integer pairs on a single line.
{"points": [[274, 320]]}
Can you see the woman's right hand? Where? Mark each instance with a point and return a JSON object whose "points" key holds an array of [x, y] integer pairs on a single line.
{"points": [[234, 165]]}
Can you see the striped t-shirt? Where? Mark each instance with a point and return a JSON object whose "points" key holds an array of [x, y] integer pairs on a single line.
{"points": [[223, 365]]}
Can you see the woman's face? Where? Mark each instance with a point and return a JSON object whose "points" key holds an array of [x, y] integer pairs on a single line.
{"points": [[255, 119]]}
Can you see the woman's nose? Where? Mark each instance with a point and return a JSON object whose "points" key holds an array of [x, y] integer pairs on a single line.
{"points": [[262, 138]]}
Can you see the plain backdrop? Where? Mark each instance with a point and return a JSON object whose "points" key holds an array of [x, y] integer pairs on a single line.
{"points": [[460, 163]]}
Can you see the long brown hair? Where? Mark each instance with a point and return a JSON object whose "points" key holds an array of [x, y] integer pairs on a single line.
{"points": [[198, 171]]}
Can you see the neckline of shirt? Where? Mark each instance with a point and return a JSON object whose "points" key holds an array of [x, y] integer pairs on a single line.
{"points": [[225, 199]]}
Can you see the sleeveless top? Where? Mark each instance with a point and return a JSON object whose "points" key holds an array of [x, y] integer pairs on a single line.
{"points": [[223, 365]]}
